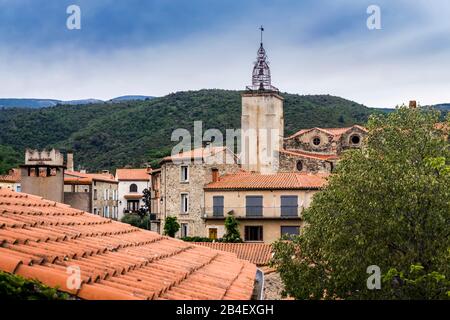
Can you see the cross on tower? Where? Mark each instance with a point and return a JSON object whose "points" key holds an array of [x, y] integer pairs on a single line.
{"points": [[262, 30]]}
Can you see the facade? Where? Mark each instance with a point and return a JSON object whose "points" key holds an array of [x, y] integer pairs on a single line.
{"points": [[318, 149], [266, 206], [182, 179], [11, 180], [131, 184], [92, 192]]}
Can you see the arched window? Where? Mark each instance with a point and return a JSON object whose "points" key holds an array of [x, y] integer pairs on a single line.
{"points": [[133, 187]]}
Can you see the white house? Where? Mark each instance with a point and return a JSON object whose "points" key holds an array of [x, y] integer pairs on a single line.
{"points": [[132, 183]]}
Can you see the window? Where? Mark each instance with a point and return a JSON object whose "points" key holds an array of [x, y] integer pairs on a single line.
{"points": [[184, 230], [355, 139], [95, 211], [95, 194], [299, 166], [316, 141], [184, 174], [133, 188], [184, 203], [254, 206], [18, 188], [218, 206], [290, 230], [253, 233], [289, 206], [105, 194]]}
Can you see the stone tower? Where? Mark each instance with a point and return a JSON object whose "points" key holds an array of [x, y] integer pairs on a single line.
{"points": [[43, 174], [262, 120]]}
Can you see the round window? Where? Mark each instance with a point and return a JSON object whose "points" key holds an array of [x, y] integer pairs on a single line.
{"points": [[316, 141], [355, 139], [299, 166]]}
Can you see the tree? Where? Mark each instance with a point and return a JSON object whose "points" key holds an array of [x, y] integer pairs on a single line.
{"points": [[388, 205], [171, 226], [232, 233], [137, 220], [9, 159]]}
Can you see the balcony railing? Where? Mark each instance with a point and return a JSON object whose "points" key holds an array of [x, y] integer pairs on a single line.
{"points": [[253, 212]]}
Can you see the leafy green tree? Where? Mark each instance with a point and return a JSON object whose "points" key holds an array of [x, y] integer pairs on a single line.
{"points": [[171, 226], [232, 233], [9, 158], [137, 220], [387, 205]]}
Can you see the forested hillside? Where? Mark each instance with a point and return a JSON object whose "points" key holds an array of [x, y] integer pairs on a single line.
{"points": [[110, 135]]}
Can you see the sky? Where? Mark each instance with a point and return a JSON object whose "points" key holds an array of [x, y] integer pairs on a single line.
{"points": [[155, 47]]}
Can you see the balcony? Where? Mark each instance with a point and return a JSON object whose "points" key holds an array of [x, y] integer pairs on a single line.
{"points": [[253, 213]]}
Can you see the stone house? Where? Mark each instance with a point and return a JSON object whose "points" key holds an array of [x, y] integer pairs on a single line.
{"points": [[183, 177], [92, 192]]}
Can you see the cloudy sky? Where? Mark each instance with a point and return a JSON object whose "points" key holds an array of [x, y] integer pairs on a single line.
{"points": [[154, 47]]}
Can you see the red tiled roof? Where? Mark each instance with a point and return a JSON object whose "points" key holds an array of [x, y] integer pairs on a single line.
{"points": [[73, 176], [199, 153], [256, 181], [13, 176], [133, 174], [257, 253], [40, 239], [336, 132], [310, 155]]}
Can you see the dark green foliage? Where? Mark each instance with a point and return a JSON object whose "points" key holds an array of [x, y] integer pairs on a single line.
{"points": [[171, 226], [417, 284], [197, 239], [14, 287], [111, 135], [232, 233], [137, 220], [387, 205], [9, 158]]}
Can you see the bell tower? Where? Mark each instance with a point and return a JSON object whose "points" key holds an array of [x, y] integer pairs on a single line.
{"points": [[262, 119]]}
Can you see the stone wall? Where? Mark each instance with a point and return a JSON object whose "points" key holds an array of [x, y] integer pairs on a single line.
{"points": [[288, 163], [172, 188]]}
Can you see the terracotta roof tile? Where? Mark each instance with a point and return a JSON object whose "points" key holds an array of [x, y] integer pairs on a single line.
{"points": [[257, 253], [310, 155], [133, 174], [13, 176], [335, 132], [278, 181], [83, 178], [199, 153], [41, 239]]}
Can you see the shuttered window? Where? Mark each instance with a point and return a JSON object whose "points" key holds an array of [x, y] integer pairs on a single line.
{"points": [[218, 206], [289, 206], [254, 206]]}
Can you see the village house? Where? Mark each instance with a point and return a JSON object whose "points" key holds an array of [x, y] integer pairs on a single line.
{"points": [[96, 193], [267, 206], [11, 180], [131, 184], [182, 179]]}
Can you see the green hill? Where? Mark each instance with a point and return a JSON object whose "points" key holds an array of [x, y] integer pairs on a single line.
{"points": [[110, 135]]}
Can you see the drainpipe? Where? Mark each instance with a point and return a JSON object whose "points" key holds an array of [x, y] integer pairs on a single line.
{"points": [[258, 288]]}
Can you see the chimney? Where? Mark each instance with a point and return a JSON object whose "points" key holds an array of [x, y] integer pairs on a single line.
{"points": [[215, 175], [70, 165], [413, 104]]}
